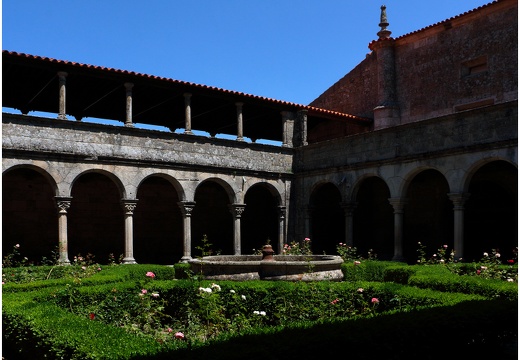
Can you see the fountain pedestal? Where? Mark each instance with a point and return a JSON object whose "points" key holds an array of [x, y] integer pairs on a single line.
{"points": [[267, 253]]}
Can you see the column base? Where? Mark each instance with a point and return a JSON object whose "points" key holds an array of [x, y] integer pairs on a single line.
{"points": [[399, 258], [185, 259], [63, 262], [129, 260]]}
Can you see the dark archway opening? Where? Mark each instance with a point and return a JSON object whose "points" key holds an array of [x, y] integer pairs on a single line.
{"points": [[29, 215], [327, 219], [428, 215], [158, 225], [259, 221], [212, 218], [96, 218], [373, 226], [491, 212]]}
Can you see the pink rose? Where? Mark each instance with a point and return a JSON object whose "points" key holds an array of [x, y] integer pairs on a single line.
{"points": [[150, 274], [179, 335], [374, 300]]}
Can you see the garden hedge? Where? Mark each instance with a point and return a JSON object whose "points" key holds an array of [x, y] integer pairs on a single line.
{"points": [[421, 310]]}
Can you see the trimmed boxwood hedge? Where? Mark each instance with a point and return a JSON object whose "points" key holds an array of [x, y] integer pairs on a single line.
{"points": [[422, 310]]}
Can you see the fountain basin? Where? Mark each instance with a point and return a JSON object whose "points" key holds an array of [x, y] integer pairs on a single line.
{"points": [[282, 267]]}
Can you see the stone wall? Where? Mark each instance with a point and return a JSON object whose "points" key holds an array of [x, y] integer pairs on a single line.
{"points": [[51, 137], [434, 80], [462, 132], [355, 93]]}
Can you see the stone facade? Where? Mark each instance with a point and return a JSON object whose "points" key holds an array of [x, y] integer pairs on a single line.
{"points": [[461, 63]]}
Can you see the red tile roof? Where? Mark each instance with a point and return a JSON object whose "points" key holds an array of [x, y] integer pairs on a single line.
{"points": [[311, 109]]}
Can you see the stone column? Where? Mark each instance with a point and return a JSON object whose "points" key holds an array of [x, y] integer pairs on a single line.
{"points": [[62, 76], [398, 205], [458, 200], [386, 113], [240, 125], [308, 222], [301, 128], [186, 210], [187, 113], [63, 204], [288, 128], [128, 120], [348, 208], [237, 210], [281, 228], [129, 207]]}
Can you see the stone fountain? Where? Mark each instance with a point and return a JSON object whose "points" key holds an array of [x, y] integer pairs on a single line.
{"points": [[269, 266]]}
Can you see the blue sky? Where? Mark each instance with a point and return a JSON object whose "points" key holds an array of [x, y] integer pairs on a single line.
{"points": [[290, 50]]}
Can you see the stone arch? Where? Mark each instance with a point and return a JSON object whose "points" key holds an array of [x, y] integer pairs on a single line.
{"points": [[360, 181], [158, 221], [96, 216], [117, 182], [327, 219], [475, 167], [50, 179], [373, 221], [29, 213], [404, 186], [428, 213], [271, 188], [173, 182], [259, 222], [491, 211], [226, 186], [212, 217]]}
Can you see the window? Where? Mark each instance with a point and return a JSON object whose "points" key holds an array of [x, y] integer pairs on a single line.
{"points": [[475, 66]]}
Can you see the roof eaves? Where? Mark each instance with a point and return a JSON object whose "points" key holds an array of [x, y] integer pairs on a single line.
{"points": [[312, 109]]}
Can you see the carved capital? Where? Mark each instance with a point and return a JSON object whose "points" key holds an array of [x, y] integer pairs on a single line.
{"points": [[63, 203], [458, 200], [129, 206], [281, 212], [349, 207], [398, 204], [237, 209], [186, 207]]}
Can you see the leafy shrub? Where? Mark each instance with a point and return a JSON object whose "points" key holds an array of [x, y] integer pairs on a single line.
{"points": [[398, 274], [367, 270]]}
